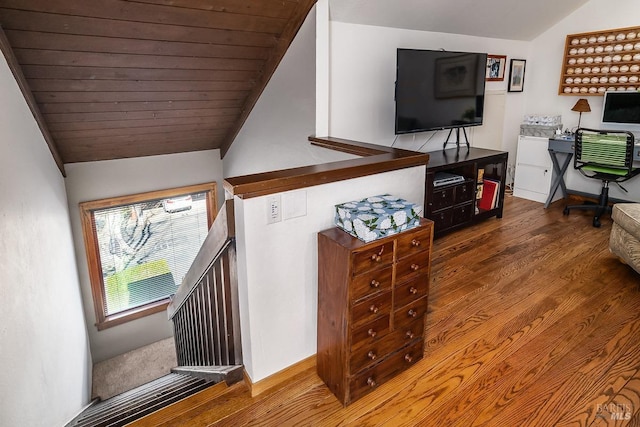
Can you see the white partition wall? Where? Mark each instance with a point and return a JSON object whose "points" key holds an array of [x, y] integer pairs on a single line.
{"points": [[277, 265]]}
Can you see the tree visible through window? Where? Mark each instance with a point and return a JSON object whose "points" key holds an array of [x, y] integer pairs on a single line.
{"points": [[140, 247]]}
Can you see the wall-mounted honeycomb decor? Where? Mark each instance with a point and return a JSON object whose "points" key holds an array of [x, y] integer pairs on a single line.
{"points": [[602, 61]]}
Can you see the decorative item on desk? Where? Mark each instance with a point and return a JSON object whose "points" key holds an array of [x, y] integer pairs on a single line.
{"points": [[582, 106], [377, 216], [541, 125]]}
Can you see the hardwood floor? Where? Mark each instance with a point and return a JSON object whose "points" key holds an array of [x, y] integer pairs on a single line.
{"points": [[531, 322]]}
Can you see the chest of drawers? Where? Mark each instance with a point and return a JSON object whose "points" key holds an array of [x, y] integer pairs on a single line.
{"points": [[372, 299]]}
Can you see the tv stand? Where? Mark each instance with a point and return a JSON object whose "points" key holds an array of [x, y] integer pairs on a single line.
{"points": [[464, 132], [460, 204]]}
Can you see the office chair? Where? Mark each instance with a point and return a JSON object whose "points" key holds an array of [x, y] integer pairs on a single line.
{"points": [[607, 156]]}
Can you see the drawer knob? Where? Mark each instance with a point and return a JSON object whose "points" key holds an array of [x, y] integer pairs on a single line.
{"points": [[371, 355], [409, 335], [415, 267], [372, 333], [375, 283], [415, 243], [408, 358], [371, 382], [374, 309], [412, 313], [413, 290], [375, 258]]}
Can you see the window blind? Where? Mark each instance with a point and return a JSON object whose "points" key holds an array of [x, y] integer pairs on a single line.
{"points": [[146, 248]]}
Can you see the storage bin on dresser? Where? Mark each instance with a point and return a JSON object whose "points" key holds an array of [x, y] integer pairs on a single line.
{"points": [[372, 299]]}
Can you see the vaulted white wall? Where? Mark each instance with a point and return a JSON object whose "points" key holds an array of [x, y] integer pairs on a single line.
{"points": [[46, 365], [543, 75], [362, 78], [275, 134]]}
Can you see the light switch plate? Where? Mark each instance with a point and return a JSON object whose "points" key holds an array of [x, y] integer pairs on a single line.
{"points": [[294, 204], [274, 213]]}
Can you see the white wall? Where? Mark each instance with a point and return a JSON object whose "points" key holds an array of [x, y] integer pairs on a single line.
{"points": [[278, 270], [363, 72], [111, 178], [275, 136], [543, 77], [46, 365]]}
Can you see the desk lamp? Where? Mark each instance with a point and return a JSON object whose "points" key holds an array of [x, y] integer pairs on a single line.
{"points": [[582, 106]]}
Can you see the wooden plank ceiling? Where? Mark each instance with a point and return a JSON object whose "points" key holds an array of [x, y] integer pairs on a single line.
{"points": [[112, 79]]}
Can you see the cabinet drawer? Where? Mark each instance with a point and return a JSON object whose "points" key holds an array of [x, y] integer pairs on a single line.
{"points": [[370, 332], [413, 242], [370, 379], [370, 282], [375, 257], [462, 214], [411, 291], [412, 266], [409, 331], [464, 192], [367, 354], [369, 309], [442, 198], [414, 312], [442, 219]]}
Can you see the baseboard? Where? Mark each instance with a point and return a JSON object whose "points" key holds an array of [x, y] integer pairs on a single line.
{"points": [[277, 379]]}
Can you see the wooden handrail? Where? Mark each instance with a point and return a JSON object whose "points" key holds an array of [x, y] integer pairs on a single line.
{"points": [[374, 159]]}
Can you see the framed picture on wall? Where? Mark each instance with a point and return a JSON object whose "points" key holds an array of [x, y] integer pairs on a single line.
{"points": [[495, 68], [516, 75]]}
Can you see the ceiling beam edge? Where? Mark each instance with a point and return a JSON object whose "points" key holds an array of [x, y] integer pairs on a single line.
{"points": [[283, 43], [14, 66]]}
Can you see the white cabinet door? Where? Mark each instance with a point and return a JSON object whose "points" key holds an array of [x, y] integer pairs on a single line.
{"points": [[533, 169]]}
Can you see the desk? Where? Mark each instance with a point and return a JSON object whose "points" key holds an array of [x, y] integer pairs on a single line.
{"points": [[563, 145]]}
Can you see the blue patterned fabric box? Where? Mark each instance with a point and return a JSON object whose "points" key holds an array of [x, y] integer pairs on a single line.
{"points": [[378, 216]]}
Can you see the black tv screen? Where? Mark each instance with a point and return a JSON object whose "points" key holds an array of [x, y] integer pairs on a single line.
{"points": [[621, 108], [438, 90]]}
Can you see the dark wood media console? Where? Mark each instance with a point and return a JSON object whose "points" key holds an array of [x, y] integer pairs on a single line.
{"points": [[455, 205]]}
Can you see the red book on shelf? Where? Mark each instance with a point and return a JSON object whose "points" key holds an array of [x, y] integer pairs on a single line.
{"points": [[489, 195]]}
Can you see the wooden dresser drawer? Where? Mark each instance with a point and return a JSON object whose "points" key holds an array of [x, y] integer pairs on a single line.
{"points": [[369, 309], [410, 291], [371, 282], [366, 354], [370, 379], [412, 266], [371, 332], [375, 257], [413, 312], [413, 242]]}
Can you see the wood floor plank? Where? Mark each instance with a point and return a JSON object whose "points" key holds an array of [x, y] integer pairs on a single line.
{"points": [[531, 321]]}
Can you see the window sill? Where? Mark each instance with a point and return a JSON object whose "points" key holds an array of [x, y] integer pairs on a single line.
{"points": [[133, 314]]}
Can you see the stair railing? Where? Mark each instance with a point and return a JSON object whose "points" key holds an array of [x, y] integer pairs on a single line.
{"points": [[205, 311]]}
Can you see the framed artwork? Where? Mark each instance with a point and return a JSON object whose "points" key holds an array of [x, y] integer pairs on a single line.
{"points": [[456, 76], [495, 68], [516, 75]]}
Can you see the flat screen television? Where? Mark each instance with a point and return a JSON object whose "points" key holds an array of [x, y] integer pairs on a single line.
{"points": [[621, 111], [438, 89]]}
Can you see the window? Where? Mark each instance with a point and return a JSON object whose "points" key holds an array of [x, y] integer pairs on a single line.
{"points": [[139, 247]]}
